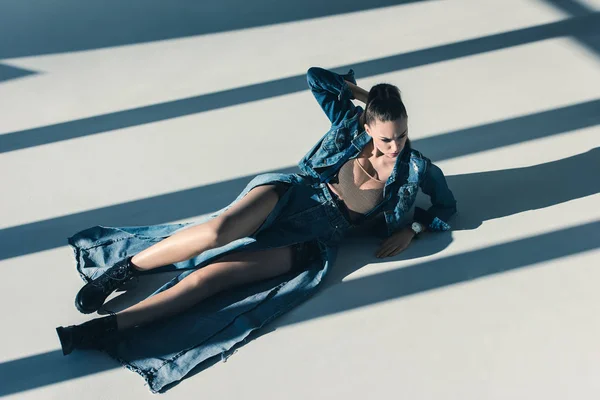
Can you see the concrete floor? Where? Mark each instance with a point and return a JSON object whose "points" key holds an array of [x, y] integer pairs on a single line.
{"points": [[150, 113]]}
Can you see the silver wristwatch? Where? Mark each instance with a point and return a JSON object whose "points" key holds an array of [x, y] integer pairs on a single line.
{"points": [[416, 228]]}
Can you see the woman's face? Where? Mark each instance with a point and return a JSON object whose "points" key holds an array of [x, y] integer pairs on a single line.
{"points": [[389, 137]]}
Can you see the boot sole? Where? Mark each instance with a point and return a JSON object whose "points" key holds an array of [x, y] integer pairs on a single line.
{"points": [[83, 310]]}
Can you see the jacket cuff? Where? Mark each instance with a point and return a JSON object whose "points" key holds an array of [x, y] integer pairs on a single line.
{"points": [[429, 220], [349, 76], [345, 89]]}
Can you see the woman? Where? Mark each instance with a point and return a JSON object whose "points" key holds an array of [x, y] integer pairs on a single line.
{"points": [[280, 225]]}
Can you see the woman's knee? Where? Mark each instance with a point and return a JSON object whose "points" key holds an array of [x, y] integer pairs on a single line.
{"points": [[240, 268], [202, 282], [217, 231]]}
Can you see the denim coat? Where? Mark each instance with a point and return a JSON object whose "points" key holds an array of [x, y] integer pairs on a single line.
{"points": [[163, 353]]}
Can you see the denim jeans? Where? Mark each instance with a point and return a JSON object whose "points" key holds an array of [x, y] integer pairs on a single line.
{"points": [[165, 351]]}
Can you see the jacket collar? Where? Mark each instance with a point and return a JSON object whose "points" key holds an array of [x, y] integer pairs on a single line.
{"points": [[400, 170]]}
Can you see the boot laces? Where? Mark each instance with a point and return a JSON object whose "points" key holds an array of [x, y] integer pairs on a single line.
{"points": [[114, 277]]}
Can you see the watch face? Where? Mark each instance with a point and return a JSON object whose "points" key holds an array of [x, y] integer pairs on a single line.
{"points": [[417, 227]]}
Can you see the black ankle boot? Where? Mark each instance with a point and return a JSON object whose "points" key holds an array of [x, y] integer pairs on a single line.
{"points": [[94, 334], [91, 297]]}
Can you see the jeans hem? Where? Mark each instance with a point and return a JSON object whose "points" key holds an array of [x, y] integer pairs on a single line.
{"points": [[147, 376]]}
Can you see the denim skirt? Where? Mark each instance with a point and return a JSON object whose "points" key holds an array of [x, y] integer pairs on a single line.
{"points": [[307, 217]]}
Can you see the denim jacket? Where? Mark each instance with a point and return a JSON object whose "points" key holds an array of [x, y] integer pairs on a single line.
{"points": [[346, 139]]}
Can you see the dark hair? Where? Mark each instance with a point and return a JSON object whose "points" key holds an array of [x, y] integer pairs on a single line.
{"points": [[384, 104]]}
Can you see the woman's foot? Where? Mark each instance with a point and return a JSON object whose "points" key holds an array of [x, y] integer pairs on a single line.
{"points": [[94, 334], [92, 296]]}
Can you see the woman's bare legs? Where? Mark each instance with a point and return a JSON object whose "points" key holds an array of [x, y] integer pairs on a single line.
{"points": [[231, 270], [241, 220]]}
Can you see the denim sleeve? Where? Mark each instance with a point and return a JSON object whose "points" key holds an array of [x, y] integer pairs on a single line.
{"points": [[332, 93], [443, 203]]}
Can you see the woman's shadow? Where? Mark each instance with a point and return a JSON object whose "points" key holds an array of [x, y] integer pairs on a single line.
{"points": [[489, 195], [481, 197], [485, 196]]}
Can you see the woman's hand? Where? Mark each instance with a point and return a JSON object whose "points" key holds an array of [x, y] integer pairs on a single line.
{"points": [[396, 243]]}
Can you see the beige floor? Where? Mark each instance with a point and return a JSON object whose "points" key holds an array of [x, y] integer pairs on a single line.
{"points": [[503, 95]]}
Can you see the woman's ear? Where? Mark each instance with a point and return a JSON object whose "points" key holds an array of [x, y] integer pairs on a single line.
{"points": [[367, 129]]}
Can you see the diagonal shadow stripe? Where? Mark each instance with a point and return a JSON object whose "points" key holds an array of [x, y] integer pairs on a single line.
{"points": [[158, 112], [511, 131], [52, 233], [589, 39], [571, 7], [33, 27], [52, 367], [8, 72], [147, 114]]}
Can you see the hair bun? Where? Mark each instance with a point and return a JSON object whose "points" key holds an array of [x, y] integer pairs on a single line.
{"points": [[384, 91], [384, 103], [376, 91]]}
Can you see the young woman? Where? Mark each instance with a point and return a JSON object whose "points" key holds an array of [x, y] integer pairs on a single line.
{"points": [[281, 225]]}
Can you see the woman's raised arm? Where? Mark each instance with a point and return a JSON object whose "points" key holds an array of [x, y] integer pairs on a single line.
{"points": [[332, 92]]}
